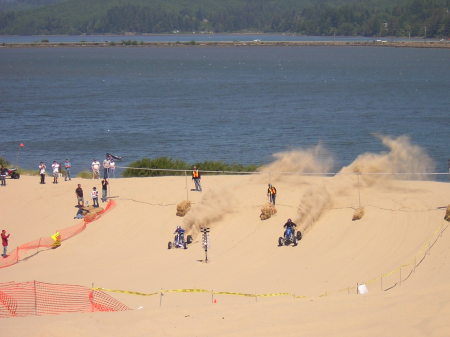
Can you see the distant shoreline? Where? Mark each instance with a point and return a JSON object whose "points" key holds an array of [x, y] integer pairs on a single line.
{"points": [[132, 43]]}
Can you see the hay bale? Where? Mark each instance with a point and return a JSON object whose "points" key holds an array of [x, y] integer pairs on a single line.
{"points": [[359, 212], [447, 213], [267, 211], [183, 207]]}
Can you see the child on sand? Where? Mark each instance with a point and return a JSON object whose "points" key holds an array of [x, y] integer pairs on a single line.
{"points": [[94, 195], [5, 238]]}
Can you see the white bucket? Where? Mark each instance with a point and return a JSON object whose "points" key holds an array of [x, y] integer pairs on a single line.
{"points": [[362, 289]]}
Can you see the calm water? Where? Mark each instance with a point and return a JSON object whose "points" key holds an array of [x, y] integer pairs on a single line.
{"points": [[236, 104]]}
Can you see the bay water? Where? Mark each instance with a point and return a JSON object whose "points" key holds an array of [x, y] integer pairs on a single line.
{"points": [[232, 104]]}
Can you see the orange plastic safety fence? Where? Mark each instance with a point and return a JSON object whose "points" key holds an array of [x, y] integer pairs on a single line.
{"points": [[47, 242], [38, 298]]}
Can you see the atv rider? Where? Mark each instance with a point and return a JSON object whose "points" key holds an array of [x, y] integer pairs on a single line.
{"points": [[179, 237], [290, 228]]}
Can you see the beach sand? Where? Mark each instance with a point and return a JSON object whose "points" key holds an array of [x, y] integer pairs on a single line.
{"points": [[126, 249]]}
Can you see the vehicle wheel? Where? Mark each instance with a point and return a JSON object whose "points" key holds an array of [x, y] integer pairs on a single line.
{"points": [[294, 242], [185, 245], [15, 175], [169, 246], [280, 242], [299, 235], [189, 239]]}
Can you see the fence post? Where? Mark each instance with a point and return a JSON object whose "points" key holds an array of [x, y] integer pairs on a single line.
{"points": [[160, 297]]}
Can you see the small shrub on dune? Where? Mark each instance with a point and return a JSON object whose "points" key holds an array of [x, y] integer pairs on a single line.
{"points": [[222, 166], [28, 172], [85, 175], [447, 213], [157, 163], [4, 162], [168, 163]]}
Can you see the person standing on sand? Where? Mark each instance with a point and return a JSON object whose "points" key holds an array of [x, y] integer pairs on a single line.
{"points": [[94, 195], [104, 190], [42, 168], [272, 194], [95, 166], [196, 177], [112, 168], [55, 168], [79, 194], [106, 166], [5, 242], [3, 173], [67, 166]]}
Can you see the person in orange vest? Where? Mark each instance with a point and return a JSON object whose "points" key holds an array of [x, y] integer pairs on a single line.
{"points": [[196, 178], [272, 194]]}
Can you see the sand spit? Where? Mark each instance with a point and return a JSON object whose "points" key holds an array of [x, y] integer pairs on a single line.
{"points": [[375, 43]]}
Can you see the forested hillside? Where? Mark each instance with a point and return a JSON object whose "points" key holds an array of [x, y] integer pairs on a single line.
{"points": [[425, 18]]}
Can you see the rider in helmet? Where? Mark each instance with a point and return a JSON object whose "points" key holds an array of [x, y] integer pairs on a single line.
{"points": [[179, 237], [290, 227]]}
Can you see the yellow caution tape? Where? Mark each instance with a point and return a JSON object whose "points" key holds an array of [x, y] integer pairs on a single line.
{"points": [[126, 292], [326, 293], [196, 291], [186, 291]]}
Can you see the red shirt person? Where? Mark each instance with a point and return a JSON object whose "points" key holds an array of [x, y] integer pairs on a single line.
{"points": [[5, 242]]}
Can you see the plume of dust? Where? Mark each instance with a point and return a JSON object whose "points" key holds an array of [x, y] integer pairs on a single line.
{"points": [[213, 206], [313, 160], [403, 157], [313, 203]]}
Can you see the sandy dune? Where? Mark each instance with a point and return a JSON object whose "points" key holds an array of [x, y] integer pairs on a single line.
{"points": [[127, 249]]}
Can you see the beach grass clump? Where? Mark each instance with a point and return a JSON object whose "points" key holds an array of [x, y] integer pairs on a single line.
{"points": [[26, 172], [85, 174], [222, 166], [148, 167], [4, 162]]}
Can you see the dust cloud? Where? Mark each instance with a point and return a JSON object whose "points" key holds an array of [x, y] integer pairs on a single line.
{"points": [[308, 161], [212, 207], [403, 160]]}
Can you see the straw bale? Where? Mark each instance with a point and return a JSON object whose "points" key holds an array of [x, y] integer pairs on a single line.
{"points": [[183, 207], [267, 211], [447, 213], [359, 212]]}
